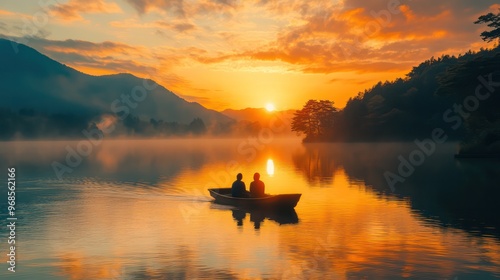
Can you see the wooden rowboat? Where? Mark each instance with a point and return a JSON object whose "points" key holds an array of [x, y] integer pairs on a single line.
{"points": [[279, 201]]}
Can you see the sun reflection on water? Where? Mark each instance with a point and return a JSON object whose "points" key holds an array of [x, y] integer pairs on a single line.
{"points": [[270, 167], [146, 213]]}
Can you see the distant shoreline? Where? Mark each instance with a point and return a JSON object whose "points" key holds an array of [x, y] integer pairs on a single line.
{"points": [[205, 137]]}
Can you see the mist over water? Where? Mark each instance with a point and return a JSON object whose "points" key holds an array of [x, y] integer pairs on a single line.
{"points": [[140, 209]]}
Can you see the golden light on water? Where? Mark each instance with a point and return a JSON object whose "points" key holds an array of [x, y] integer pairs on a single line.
{"points": [[344, 227], [270, 167]]}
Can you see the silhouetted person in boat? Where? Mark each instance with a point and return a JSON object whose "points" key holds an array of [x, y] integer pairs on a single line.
{"points": [[238, 189], [257, 187]]}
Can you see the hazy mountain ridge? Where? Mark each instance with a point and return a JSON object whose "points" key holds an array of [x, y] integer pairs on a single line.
{"points": [[41, 97], [29, 79]]}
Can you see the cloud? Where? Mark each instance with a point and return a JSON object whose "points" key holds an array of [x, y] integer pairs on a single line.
{"points": [[206, 101], [3, 27], [85, 47], [73, 9], [97, 62], [350, 81], [115, 57], [361, 36], [186, 9], [180, 27], [315, 36], [110, 57], [217, 6], [175, 7], [6, 13]]}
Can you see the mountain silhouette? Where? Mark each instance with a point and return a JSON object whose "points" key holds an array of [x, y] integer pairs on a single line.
{"points": [[31, 80]]}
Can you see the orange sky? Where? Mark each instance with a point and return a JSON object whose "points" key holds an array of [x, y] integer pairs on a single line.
{"points": [[237, 54]]}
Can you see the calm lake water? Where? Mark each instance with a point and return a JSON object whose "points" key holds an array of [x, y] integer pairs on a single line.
{"points": [[141, 210]]}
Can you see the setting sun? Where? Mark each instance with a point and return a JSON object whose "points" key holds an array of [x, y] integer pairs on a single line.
{"points": [[282, 126], [270, 107]]}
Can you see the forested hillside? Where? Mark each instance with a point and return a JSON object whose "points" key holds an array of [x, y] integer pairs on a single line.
{"points": [[458, 94]]}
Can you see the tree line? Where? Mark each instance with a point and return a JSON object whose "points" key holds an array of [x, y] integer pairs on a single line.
{"points": [[31, 124], [438, 93], [28, 123]]}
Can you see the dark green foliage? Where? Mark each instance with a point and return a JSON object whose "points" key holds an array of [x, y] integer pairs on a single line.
{"points": [[403, 109], [158, 128], [412, 107], [197, 126], [492, 21], [478, 76], [28, 124], [316, 120]]}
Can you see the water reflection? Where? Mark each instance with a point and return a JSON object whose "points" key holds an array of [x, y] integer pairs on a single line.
{"points": [[450, 192], [124, 160], [282, 217], [177, 264], [140, 210], [239, 216]]}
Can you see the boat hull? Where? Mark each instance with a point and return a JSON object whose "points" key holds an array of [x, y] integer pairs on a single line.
{"points": [[280, 201]]}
